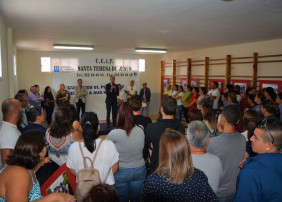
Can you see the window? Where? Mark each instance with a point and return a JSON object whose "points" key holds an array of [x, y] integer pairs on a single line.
{"points": [[141, 65], [45, 64], [135, 64], [15, 65], [0, 58]]}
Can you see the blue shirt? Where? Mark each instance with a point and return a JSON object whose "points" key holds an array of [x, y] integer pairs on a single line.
{"points": [[32, 99], [260, 179]]}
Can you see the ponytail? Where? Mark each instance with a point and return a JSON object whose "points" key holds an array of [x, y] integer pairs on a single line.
{"points": [[89, 123]]}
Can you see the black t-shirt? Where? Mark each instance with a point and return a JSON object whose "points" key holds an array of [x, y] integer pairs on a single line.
{"points": [[154, 132], [142, 120]]}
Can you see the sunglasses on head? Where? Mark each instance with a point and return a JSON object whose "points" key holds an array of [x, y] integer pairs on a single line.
{"points": [[263, 124]]}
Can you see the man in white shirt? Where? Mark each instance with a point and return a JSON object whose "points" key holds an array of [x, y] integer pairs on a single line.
{"points": [[9, 132], [214, 95], [131, 90], [198, 135]]}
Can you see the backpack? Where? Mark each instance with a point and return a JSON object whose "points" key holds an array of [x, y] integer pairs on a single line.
{"points": [[88, 176]]}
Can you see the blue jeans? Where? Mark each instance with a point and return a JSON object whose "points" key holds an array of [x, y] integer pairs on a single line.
{"points": [[178, 111], [129, 183], [146, 109]]}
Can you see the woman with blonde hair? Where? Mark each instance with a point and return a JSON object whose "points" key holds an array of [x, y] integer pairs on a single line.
{"points": [[176, 179]]}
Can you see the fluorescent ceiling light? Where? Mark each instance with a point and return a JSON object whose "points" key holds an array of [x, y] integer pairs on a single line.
{"points": [[73, 47], [150, 50]]}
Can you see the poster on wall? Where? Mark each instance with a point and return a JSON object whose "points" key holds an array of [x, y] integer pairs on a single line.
{"points": [[276, 85], [244, 84], [183, 83], [220, 84], [194, 82], [95, 71], [165, 83]]}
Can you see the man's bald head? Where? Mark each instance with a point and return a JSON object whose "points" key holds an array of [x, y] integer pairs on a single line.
{"points": [[11, 108]]}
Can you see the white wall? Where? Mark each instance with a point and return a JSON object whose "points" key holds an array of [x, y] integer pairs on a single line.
{"points": [[4, 81], [29, 73]]}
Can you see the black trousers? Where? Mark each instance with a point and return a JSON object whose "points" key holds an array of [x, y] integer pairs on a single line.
{"points": [[111, 106], [185, 110], [49, 112], [79, 105]]}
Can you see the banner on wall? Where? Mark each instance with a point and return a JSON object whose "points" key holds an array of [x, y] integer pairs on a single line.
{"points": [[95, 72]]}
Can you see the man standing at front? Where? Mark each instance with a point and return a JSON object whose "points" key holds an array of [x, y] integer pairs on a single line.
{"points": [[145, 95], [131, 90], [9, 132], [111, 100], [34, 98], [80, 92], [230, 147]]}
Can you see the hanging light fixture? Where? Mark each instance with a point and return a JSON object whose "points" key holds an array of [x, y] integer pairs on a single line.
{"points": [[73, 47], [150, 50]]}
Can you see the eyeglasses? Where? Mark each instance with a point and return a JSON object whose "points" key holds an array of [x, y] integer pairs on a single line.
{"points": [[264, 125]]}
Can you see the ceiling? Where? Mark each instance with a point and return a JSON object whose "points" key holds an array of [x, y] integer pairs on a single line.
{"points": [[118, 26]]}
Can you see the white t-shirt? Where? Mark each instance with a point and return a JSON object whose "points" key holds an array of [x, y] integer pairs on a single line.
{"points": [[239, 97], [9, 135], [215, 92], [199, 99], [179, 101], [122, 96], [245, 133], [132, 90], [106, 158]]}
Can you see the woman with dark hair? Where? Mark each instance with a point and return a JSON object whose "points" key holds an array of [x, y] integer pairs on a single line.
{"points": [[251, 102], [250, 121], [129, 140], [24, 91], [76, 127], [209, 117], [195, 114], [232, 99], [279, 102], [269, 93], [192, 102], [59, 135], [237, 90], [106, 161], [174, 90], [201, 98], [49, 103], [259, 98], [17, 178], [101, 193], [176, 179], [270, 110]]}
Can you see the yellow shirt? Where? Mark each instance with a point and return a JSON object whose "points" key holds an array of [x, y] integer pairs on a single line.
{"points": [[167, 92]]}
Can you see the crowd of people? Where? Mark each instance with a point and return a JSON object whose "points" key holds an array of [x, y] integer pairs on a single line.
{"points": [[203, 147]]}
